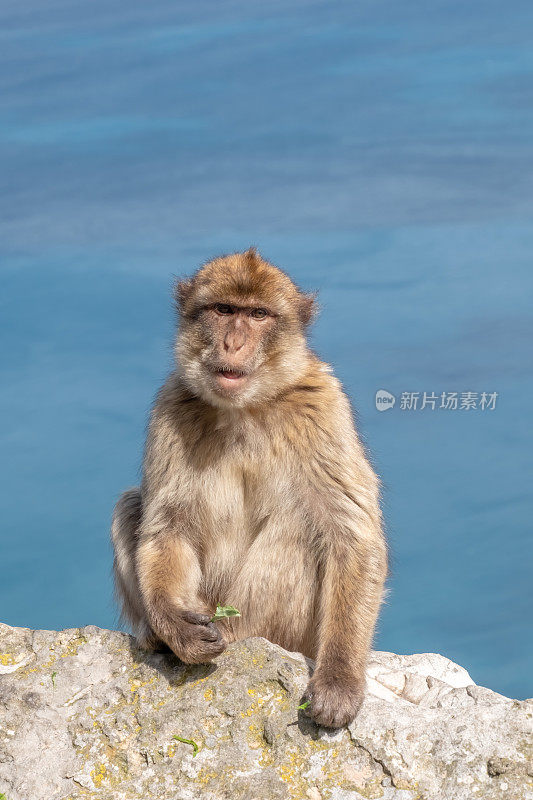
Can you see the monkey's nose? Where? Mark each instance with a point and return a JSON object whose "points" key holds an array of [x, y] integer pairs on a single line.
{"points": [[233, 342]]}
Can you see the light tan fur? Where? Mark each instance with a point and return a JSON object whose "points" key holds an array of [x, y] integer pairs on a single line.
{"points": [[259, 496]]}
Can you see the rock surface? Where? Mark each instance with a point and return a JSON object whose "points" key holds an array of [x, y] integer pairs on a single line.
{"points": [[84, 714]]}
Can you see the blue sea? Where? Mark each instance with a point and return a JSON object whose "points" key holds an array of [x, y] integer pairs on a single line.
{"points": [[382, 153]]}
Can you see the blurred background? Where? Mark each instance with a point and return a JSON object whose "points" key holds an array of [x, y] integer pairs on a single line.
{"points": [[379, 152]]}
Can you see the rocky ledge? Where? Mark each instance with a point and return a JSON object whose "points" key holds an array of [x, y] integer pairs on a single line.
{"points": [[85, 714]]}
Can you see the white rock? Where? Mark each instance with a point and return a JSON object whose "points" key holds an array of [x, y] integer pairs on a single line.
{"points": [[105, 727]]}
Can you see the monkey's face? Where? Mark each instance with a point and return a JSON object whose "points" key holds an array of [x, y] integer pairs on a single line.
{"points": [[232, 354], [237, 335], [241, 333]]}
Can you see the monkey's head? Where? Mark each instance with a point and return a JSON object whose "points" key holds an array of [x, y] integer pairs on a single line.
{"points": [[241, 337]]}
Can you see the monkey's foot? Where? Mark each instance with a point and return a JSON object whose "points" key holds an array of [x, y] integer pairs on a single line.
{"points": [[333, 702]]}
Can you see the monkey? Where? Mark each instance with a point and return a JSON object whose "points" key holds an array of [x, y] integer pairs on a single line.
{"points": [[256, 492]]}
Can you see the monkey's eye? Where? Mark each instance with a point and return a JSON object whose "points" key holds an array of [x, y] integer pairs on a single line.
{"points": [[223, 308], [259, 313]]}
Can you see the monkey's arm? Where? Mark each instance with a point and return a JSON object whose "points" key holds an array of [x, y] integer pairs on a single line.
{"points": [[169, 576], [353, 573], [352, 565], [167, 564]]}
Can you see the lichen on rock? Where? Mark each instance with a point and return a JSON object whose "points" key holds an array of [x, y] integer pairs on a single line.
{"points": [[86, 714]]}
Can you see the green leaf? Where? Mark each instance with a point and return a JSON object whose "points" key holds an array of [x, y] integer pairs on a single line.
{"points": [[303, 706], [225, 611], [2, 796], [185, 741], [53, 676]]}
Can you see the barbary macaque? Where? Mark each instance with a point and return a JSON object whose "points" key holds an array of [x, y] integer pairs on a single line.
{"points": [[256, 492]]}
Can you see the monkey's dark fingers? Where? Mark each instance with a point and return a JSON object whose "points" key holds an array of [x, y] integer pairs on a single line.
{"points": [[194, 618], [209, 633], [201, 633], [201, 652]]}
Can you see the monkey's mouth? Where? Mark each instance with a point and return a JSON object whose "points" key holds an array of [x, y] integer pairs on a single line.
{"points": [[226, 377]]}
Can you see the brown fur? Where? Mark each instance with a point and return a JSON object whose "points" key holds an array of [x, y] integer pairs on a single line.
{"points": [[256, 493]]}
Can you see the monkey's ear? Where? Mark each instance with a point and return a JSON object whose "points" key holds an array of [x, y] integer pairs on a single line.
{"points": [[307, 308], [182, 292]]}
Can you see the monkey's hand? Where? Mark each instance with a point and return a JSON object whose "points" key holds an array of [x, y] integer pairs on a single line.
{"points": [[194, 638], [334, 700]]}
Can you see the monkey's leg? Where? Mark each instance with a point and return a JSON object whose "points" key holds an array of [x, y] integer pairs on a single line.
{"points": [[354, 568], [275, 588], [169, 576], [125, 536]]}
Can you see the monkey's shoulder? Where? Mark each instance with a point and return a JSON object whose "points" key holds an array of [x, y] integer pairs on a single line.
{"points": [[314, 412], [318, 392], [175, 403]]}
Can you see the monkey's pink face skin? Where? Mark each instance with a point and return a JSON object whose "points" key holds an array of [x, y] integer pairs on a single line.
{"points": [[237, 336]]}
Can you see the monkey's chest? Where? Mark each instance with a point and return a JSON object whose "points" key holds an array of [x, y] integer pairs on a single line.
{"points": [[233, 505]]}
